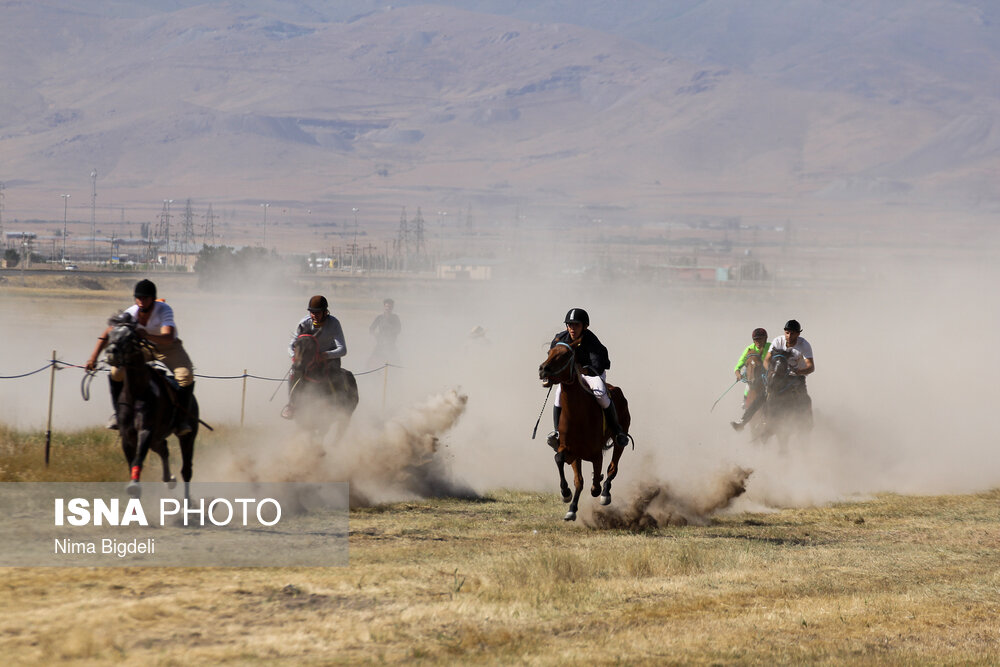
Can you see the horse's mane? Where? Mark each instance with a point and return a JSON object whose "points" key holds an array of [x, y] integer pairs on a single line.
{"points": [[121, 318]]}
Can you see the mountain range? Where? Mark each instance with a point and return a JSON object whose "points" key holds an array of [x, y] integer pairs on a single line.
{"points": [[552, 110]]}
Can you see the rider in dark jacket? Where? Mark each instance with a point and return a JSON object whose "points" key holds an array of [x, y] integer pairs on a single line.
{"points": [[592, 356]]}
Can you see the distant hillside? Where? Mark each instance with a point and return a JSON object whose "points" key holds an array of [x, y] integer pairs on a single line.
{"points": [[550, 106]]}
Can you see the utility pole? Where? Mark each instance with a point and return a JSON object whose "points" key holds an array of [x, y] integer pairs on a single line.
{"points": [[2, 238], [163, 231], [209, 238], [65, 207], [354, 246], [265, 206], [93, 215], [188, 235], [418, 233]]}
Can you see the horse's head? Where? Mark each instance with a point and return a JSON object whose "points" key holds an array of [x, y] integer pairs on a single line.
{"points": [[558, 365], [125, 347], [755, 369], [307, 359], [777, 372]]}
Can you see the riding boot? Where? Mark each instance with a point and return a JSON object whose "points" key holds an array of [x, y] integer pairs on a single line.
{"points": [[749, 412], [116, 391], [611, 417], [553, 439], [183, 419]]}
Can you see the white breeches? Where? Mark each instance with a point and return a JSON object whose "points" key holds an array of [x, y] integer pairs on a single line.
{"points": [[596, 384]]}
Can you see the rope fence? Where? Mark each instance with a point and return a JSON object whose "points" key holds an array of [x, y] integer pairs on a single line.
{"points": [[54, 364]]}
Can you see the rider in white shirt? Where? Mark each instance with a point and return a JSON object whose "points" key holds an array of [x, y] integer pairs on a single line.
{"points": [[800, 353]]}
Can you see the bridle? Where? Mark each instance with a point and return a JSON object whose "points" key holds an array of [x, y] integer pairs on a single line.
{"points": [[570, 363], [760, 375], [308, 365], [778, 376]]}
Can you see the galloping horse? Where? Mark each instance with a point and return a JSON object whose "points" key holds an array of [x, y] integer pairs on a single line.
{"points": [[146, 408], [320, 393], [788, 409], [756, 393], [583, 435]]}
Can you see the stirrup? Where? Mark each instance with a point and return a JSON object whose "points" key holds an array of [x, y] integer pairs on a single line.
{"points": [[112, 424], [738, 426], [621, 440]]}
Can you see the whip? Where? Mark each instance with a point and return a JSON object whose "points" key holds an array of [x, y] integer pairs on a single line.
{"points": [[539, 420], [723, 394]]}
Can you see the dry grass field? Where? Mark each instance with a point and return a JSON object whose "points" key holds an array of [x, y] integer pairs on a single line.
{"points": [[501, 580], [876, 542]]}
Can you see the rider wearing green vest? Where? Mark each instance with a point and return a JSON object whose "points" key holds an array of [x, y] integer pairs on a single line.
{"points": [[760, 346]]}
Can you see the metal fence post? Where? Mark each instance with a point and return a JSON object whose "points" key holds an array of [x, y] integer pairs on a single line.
{"points": [[243, 401]]}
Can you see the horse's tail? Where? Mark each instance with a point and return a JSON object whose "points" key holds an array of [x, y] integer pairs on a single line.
{"points": [[617, 396], [351, 384]]}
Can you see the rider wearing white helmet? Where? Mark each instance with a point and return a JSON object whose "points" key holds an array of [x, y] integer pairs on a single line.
{"points": [[592, 356]]}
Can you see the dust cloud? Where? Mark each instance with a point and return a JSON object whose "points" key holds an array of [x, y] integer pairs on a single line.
{"points": [[902, 396], [655, 505], [394, 460]]}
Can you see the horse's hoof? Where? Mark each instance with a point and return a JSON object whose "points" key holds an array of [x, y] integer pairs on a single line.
{"points": [[133, 489], [172, 482], [594, 492], [606, 500], [570, 516], [567, 497]]}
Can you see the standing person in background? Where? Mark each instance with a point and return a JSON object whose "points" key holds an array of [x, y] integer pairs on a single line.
{"points": [[386, 328]]}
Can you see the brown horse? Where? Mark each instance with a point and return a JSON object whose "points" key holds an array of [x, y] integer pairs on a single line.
{"points": [[755, 396], [321, 392], [583, 435]]}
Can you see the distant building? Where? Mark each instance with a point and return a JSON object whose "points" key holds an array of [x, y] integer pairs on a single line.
{"points": [[465, 269]]}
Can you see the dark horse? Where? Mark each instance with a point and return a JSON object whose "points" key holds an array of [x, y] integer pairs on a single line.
{"points": [[321, 393], [583, 435], [146, 407], [788, 408]]}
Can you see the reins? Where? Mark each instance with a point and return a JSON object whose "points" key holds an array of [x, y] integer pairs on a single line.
{"points": [[569, 362]]}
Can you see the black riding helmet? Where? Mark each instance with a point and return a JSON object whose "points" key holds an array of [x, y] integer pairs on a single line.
{"points": [[145, 288], [318, 303], [793, 325], [577, 315]]}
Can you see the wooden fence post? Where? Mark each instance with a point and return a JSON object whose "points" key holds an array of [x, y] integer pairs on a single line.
{"points": [[48, 425]]}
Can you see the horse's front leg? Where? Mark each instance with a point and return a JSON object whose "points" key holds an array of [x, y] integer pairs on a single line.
{"points": [[578, 483], [187, 459], [164, 453], [128, 439], [140, 456], [560, 458], [612, 473], [595, 487]]}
